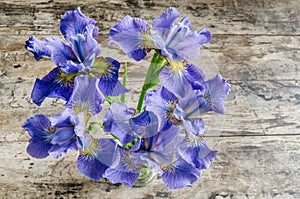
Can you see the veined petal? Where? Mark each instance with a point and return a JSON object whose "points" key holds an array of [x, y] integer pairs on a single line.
{"points": [[123, 171], [63, 56], [162, 103], [99, 156], [179, 174], [39, 129], [116, 121], [86, 48], [216, 92], [109, 83], [86, 96], [196, 152], [165, 22], [129, 34], [38, 47], [175, 81], [75, 22], [54, 85]]}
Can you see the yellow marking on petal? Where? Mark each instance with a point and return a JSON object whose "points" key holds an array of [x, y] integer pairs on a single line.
{"points": [[147, 41], [177, 65], [69, 78], [90, 150], [101, 66]]}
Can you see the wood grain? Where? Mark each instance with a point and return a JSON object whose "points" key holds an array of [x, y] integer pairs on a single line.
{"points": [[255, 45]]}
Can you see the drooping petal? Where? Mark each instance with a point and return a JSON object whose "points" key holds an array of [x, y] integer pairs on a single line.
{"points": [[145, 125], [63, 56], [109, 83], [175, 81], [191, 106], [38, 47], [123, 171], [75, 22], [197, 153], [161, 102], [39, 129], [86, 96], [116, 121], [99, 156], [216, 92], [129, 34], [194, 74], [54, 85], [180, 174]]}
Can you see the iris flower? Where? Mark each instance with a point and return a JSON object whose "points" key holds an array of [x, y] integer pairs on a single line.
{"points": [[175, 41]]}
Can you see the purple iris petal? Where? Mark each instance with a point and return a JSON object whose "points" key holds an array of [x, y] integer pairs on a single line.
{"points": [[86, 96], [109, 83], [94, 161], [197, 153], [63, 56], [195, 75], [175, 81], [116, 121], [39, 129], [180, 174], [216, 92], [178, 41], [54, 85], [128, 33], [69, 133], [190, 107], [123, 171], [38, 47], [75, 22], [85, 48], [165, 22], [161, 102], [145, 125]]}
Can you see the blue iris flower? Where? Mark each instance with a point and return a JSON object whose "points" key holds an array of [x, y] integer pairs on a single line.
{"points": [[175, 41], [97, 158]]}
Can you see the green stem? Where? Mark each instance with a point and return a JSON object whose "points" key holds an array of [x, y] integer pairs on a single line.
{"points": [[151, 80], [124, 82]]}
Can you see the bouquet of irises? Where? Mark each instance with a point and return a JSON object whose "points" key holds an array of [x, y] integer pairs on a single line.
{"points": [[163, 135]]}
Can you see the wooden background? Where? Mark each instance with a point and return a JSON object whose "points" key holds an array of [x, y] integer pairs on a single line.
{"points": [[255, 45]]}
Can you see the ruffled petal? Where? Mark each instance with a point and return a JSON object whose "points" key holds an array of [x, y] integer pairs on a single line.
{"points": [[123, 171], [216, 92], [128, 33], [39, 129], [38, 47], [175, 81], [109, 83], [163, 24], [75, 22], [86, 96], [160, 102], [180, 174], [116, 121], [197, 153], [63, 56], [94, 161], [53, 85], [86, 48]]}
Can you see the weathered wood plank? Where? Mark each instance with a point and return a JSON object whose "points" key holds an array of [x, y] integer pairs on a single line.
{"points": [[233, 17], [252, 167]]}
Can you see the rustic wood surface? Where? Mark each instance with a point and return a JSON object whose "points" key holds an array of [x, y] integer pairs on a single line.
{"points": [[256, 46]]}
